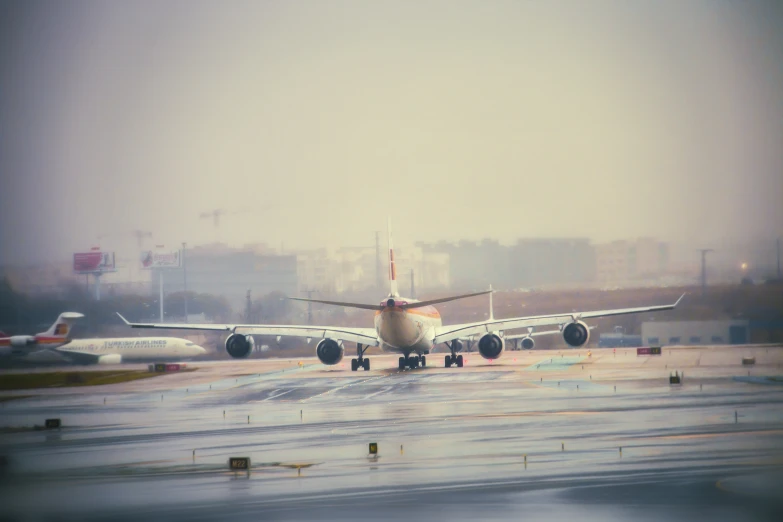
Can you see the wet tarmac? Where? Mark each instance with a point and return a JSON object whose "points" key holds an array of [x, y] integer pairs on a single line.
{"points": [[544, 434]]}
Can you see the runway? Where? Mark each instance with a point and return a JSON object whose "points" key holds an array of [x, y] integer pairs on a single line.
{"points": [[544, 434]]}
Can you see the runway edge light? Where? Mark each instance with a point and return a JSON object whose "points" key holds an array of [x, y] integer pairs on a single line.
{"points": [[373, 448]]}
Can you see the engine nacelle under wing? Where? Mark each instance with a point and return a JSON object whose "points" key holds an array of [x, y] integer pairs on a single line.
{"points": [[491, 345], [527, 343], [110, 358], [576, 334], [239, 346], [329, 351], [22, 341]]}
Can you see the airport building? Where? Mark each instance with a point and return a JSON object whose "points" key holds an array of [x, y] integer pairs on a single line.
{"points": [[670, 333], [619, 340]]}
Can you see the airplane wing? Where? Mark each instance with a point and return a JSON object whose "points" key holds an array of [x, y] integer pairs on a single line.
{"points": [[365, 336], [81, 357], [456, 331], [533, 334]]}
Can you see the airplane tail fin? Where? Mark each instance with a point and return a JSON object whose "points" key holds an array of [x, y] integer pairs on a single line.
{"points": [[62, 326], [393, 292]]}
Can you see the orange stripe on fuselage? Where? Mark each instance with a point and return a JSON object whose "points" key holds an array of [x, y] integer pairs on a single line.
{"points": [[38, 341]]}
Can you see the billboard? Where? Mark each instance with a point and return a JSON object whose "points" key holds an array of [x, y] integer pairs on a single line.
{"points": [[93, 262], [161, 259]]}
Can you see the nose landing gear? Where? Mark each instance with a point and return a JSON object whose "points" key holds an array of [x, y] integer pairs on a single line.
{"points": [[412, 362]]}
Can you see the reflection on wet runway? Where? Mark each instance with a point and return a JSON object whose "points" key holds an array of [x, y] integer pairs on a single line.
{"points": [[595, 436]]}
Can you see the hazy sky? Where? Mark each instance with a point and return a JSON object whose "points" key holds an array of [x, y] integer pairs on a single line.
{"points": [[460, 119]]}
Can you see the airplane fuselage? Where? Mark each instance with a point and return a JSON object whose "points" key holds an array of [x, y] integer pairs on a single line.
{"points": [[137, 348], [409, 330]]}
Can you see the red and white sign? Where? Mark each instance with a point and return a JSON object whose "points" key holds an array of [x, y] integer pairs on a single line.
{"points": [[93, 262], [161, 259]]}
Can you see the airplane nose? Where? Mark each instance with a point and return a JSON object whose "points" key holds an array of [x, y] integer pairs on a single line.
{"points": [[199, 350]]}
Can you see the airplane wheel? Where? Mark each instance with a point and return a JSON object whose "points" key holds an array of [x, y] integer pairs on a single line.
{"points": [[413, 362], [403, 363], [353, 365], [423, 361], [448, 361], [366, 365], [459, 361]]}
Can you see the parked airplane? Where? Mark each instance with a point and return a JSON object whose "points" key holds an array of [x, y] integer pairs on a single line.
{"points": [[57, 335], [405, 326]]}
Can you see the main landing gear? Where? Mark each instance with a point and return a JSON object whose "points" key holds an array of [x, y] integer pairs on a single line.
{"points": [[453, 358], [412, 362], [360, 362]]}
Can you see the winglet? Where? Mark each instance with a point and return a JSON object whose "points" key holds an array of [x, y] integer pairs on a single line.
{"points": [[678, 300], [123, 319]]}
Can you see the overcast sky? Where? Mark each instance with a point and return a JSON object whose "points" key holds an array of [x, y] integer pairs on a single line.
{"points": [[459, 119]]}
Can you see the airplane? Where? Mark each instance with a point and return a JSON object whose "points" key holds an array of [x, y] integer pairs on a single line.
{"points": [[57, 335], [405, 326], [55, 344], [125, 349]]}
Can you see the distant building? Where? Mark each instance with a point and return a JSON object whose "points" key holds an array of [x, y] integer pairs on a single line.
{"points": [[528, 263], [551, 262], [695, 332], [621, 262], [228, 272]]}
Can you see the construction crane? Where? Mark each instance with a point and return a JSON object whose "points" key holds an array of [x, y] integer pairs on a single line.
{"points": [[218, 212], [214, 214]]}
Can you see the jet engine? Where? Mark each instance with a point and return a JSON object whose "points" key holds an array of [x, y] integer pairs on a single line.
{"points": [[527, 343], [110, 358], [239, 346], [20, 341], [329, 351], [490, 346], [576, 334]]}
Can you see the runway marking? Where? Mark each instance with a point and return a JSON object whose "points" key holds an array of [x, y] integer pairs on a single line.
{"points": [[388, 388], [342, 387], [276, 396], [714, 435], [555, 364]]}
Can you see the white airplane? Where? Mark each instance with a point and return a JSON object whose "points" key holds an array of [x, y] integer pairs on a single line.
{"points": [[405, 326], [57, 335], [126, 349]]}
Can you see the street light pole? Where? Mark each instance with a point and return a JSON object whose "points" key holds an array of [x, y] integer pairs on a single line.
{"points": [[185, 280]]}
